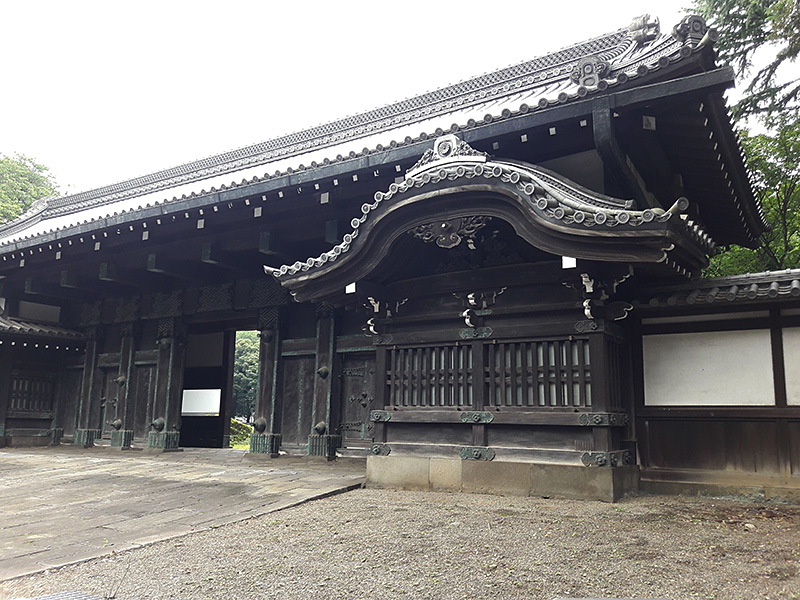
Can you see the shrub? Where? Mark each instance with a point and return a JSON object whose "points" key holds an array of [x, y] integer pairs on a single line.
{"points": [[240, 432]]}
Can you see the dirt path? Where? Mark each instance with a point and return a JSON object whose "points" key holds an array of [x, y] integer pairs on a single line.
{"points": [[387, 544]]}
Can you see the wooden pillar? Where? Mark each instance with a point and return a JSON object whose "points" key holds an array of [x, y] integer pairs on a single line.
{"points": [[89, 405], [228, 357], [479, 355], [266, 439], [379, 433], [5, 388], [122, 437], [601, 380], [321, 442], [165, 428]]}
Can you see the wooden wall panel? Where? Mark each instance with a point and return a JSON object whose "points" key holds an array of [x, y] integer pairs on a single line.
{"points": [[720, 445], [794, 447], [68, 400]]}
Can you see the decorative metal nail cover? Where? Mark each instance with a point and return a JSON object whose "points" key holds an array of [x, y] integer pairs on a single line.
{"points": [[477, 453], [477, 417]]}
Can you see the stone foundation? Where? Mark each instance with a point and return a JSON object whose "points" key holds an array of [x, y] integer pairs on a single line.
{"points": [[56, 435], [166, 441], [608, 484], [86, 437], [122, 439], [324, 445], [265, 443]]}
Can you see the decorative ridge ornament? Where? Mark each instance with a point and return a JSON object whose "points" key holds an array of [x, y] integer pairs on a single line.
{"points": [[644, 30], [590, 71], [446, 149]]}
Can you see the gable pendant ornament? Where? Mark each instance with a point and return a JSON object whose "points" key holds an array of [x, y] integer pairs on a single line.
{"points": [[450, 233]]}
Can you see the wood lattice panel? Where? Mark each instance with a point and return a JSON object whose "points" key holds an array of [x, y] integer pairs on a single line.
{"points": [[540, 373], [431, 376], [32, 391]]}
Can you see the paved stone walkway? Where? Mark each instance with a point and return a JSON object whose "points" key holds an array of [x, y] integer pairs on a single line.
{"points": [[65, 504]]}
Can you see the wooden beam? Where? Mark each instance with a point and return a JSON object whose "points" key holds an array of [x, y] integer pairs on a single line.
{"points": [[109, 272], [268, 242], [159, 262]]}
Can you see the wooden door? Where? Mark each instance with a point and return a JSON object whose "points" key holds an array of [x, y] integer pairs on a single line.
{"points": [[297, 395], [110, 405], [142, 397], [357, 398]]}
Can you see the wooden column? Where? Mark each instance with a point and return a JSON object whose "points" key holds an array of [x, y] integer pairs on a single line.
{"points": [[601, 379], [89, 406], [479, 355], [228, 357], [381, 395], [123, 437], [321, 442], [165, 428], [266, 439], [5, 387]]}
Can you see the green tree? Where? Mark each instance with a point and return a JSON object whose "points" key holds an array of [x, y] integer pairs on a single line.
{"points": [[774, 160], [245, 373], [748, 27], [22, 182]]}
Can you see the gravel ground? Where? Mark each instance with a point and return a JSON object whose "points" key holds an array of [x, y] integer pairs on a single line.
{"points": [[393, 544]]}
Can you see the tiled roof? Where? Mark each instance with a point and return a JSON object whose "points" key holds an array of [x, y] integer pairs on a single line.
{"points": [[561, 77], [751, 287], [13, 326]]}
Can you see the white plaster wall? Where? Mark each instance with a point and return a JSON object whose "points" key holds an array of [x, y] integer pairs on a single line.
{"points": [[709, 369], [791, 361]]}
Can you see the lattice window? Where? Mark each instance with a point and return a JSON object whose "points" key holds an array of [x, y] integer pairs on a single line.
{"points": [[31, 391], [543, 373], [433, 376]]}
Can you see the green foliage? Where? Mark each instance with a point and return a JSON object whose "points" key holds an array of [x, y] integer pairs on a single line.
{"points": [[240, 433], [22, 182], [245, 373], [774, 160], [747, 26]]}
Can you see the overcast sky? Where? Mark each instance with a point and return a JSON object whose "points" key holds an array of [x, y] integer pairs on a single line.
{"points": [[104, 91]]}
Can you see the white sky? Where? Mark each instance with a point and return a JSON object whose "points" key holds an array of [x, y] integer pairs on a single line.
{"points": [[104, 91]]}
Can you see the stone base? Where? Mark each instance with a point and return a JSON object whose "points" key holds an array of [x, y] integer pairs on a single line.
{"points": [[265, 443], [164, 441], [608, 484], [56, 434], [122, 438], [25, 441], [324, 445], [86, 437]]}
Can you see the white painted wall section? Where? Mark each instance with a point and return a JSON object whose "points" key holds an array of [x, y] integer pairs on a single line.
{"points": [[791, 361], [721, 368]]}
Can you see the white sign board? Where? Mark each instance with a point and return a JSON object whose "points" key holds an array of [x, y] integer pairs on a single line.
{"points": [[201, 403]]}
